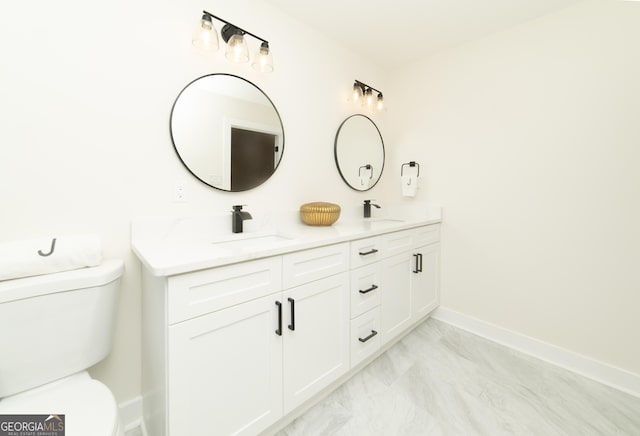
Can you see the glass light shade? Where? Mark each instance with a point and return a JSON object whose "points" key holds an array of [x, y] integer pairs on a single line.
{"points": [[263, 60], [357, 93], [380, 103], [368, 98], [205, 36], [237, 49]]}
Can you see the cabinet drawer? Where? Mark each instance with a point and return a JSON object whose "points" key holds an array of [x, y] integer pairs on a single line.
{"points": [[365, 251], [426, 235], [200, 292], [365, 336], [309, 265], [397, 242], [365, 288]]}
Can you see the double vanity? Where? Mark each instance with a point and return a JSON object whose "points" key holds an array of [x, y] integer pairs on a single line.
{"points": [[243, 328], [243, 331]]}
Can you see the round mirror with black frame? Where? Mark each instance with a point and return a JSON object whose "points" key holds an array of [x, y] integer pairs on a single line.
{"points": [[227, 132], [359, 152]]}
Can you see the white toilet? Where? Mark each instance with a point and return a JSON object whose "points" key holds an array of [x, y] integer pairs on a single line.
{"points": [[52, 328]]}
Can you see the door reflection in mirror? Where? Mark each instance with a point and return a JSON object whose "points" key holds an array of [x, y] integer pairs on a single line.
{"points": [[252, 158]]}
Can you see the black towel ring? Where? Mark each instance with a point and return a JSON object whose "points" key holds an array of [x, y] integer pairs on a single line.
{"points": [[366, 167], [411, 164]]}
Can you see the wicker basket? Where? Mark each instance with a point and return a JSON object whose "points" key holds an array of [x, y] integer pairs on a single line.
{"points": [[319, 213]]}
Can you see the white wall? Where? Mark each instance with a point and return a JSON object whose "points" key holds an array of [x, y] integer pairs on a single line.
{"points": [[85, 96], [530, 141]]}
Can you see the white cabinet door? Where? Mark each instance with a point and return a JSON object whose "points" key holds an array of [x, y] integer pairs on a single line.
{"points": [[225, 371], [395, 298], [316, 337], [425, 283]]}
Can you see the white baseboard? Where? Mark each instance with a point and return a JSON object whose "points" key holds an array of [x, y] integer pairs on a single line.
{"points": [[131, 414], [601, 372]]}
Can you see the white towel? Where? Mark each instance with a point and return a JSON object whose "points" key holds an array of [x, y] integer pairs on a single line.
{"points": [[44, 256], [409, 185], [364, 182]]}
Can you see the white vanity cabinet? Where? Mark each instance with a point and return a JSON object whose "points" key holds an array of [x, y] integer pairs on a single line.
{"points": [[410, 278], [217, 356], [394, 284], [235, 347]]}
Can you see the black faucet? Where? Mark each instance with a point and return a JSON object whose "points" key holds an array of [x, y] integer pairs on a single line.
{"points": [[367, 208], [237, 217]]}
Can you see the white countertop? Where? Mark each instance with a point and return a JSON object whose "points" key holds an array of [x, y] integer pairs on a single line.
{"points": [[174, 245]]}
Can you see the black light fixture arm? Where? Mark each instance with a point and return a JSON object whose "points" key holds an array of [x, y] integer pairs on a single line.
{"points": [[364, 86], [236, 27]]}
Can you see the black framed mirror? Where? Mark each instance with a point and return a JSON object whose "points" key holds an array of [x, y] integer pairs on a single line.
{"points": [[359, 152], [227, 132]]}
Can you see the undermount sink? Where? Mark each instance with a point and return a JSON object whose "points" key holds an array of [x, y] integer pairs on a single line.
{"points": [[252, 242], [381, 222]]}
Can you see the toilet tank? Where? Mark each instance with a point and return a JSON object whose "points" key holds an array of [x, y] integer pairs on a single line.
{"points": [[54, 325]]}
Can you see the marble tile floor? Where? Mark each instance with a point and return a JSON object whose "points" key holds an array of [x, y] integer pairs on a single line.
{"points": [[442, 381]]}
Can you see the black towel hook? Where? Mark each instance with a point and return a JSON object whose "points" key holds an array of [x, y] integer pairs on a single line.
{"points": [[53, 247]]}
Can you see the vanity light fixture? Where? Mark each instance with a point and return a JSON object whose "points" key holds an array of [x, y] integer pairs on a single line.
{"points": [[363, 94], [205, 38]]}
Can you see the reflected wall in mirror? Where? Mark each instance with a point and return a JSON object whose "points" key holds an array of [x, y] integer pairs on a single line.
{"points": [[227, 132], [359, 152]]}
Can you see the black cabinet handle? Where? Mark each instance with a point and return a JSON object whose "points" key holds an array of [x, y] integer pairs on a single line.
{"points": [[373, 333], [366, 253], [292, 326], [366, 291], [279, 331], [420, 257], [416, 270]]}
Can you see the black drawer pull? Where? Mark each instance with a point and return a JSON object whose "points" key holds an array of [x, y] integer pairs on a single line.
{"points": [[292, 326], [366, 253], [373, 333], [279, 331], [366, 291], [420, 257], [417, 269]]}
